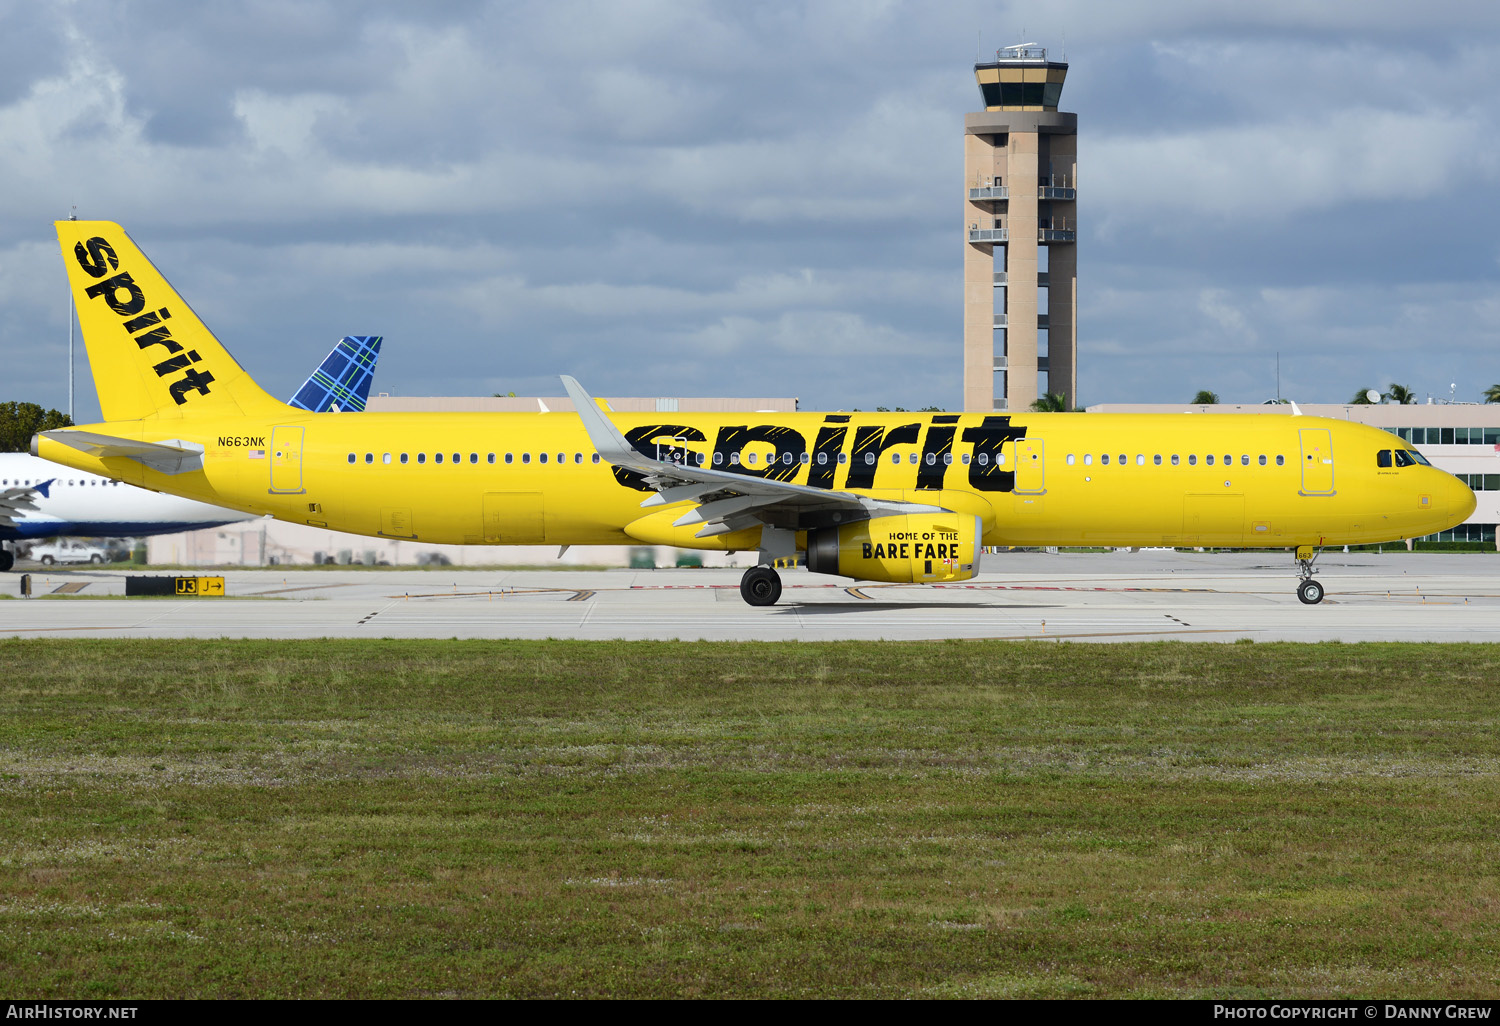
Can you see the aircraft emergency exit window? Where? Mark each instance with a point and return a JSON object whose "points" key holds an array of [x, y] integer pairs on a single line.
{"points": [[421, 457], [1383, 458], [1192, 460], [369, 458], [351, 457], [1263, 460], [541, 457], [525, 457], [404, 457]]}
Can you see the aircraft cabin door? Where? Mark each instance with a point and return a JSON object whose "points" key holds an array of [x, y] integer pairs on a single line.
{"points": [[1031, 477], [1317, 461], [286, 460]]}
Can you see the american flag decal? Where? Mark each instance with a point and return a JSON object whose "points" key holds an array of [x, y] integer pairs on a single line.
{"points": [[257, 454]]}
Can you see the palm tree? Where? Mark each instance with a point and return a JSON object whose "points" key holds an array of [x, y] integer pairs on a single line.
{"points": [[1492, 394], [1401, 394], [1050, 402], [1362, 398], [1206, 398]]}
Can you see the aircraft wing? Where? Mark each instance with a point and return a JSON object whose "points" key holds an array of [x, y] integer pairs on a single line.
{"points": [[15, 503], [167, 457], [727, 501]]}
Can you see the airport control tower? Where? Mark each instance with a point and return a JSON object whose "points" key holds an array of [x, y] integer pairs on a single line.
{"points": [[1020, 247]]}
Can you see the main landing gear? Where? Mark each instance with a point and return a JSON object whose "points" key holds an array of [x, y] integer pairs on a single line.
{"points": [[1309, 591], [7, 559], [761, 586]]}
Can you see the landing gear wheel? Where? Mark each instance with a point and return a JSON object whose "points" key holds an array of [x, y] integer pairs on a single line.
{"points": [[7, 560], [1310, 592], [761, 586]]}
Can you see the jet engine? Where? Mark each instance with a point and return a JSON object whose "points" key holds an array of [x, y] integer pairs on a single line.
{"points": [[918, 548]]}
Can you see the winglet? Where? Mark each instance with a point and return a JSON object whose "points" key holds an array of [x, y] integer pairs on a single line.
{"points": [[1296, 411], [607, 440]]}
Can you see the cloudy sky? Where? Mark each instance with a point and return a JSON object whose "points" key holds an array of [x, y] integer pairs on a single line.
{"points": [[758, 199]]}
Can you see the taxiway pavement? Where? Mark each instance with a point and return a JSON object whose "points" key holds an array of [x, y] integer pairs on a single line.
{"points": [[1069, 596]]}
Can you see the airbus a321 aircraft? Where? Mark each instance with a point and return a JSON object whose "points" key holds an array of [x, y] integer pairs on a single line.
{"points": [[878, 497], [39, 499]]}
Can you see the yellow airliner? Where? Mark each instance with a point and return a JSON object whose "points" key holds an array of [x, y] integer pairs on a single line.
{"points": [[893, 497]]}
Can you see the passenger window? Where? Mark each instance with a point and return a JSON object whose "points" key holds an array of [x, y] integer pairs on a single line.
{"points": [[1245, 460], [473, 457], [509, 457], [750, 457], [786, 457], [351, 457], [1280, 461], [403, 457], [1263, 461], [912, 458], [822, 458], [369, 458], [1209, 459], [1228, 461], [596, 457], [718, 458], [984, 459], [421, 457], [577, 458], [1175, 460], [491, 458], [458, 457], [804, 458], [947, 459], [1070, 459], [437, 457], [734, 459], [1104, 459], [1192, 460], [895, 457], [1140, 459], [541, 457], [966, 459], [525, 457], [844, 458], [869, 459], [1123, 460], [562, 457]]}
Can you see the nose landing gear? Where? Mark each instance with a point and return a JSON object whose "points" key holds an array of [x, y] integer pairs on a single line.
{"points": [[761, 586], [1309, 591]]}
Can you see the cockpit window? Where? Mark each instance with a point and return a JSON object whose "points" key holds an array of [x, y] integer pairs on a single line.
{"points": [[1410, 458], [1383, 458], [1417, 456]]}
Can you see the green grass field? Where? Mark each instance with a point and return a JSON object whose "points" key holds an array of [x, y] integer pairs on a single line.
{"points": [[940, 819]]}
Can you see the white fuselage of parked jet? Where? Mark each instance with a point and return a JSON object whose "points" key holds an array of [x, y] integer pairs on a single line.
{"points": [[70, 502]]}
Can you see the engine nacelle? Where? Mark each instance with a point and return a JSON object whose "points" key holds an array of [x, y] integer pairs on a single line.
{"points": [[918, 548]]}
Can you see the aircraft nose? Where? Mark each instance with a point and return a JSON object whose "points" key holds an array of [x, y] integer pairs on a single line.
{"points": [[1461, 501]]}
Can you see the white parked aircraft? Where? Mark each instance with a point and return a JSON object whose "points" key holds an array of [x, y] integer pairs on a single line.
{"points": [[41, 499]]}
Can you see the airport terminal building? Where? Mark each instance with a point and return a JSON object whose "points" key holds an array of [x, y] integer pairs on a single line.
{"points": [[1461, 438]]}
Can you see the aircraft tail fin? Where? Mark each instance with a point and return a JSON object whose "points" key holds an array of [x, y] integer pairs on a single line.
{"points": [[151, 355], [342, 382]]}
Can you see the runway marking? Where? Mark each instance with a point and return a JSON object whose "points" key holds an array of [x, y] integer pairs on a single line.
{"points": [[582, 596], [307, 587]]}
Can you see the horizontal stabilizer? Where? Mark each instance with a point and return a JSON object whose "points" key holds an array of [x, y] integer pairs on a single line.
{"points": [[172, 457]]}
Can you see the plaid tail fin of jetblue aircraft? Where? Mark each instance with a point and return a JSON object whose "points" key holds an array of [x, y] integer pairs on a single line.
{"points": [[342, 383]]}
